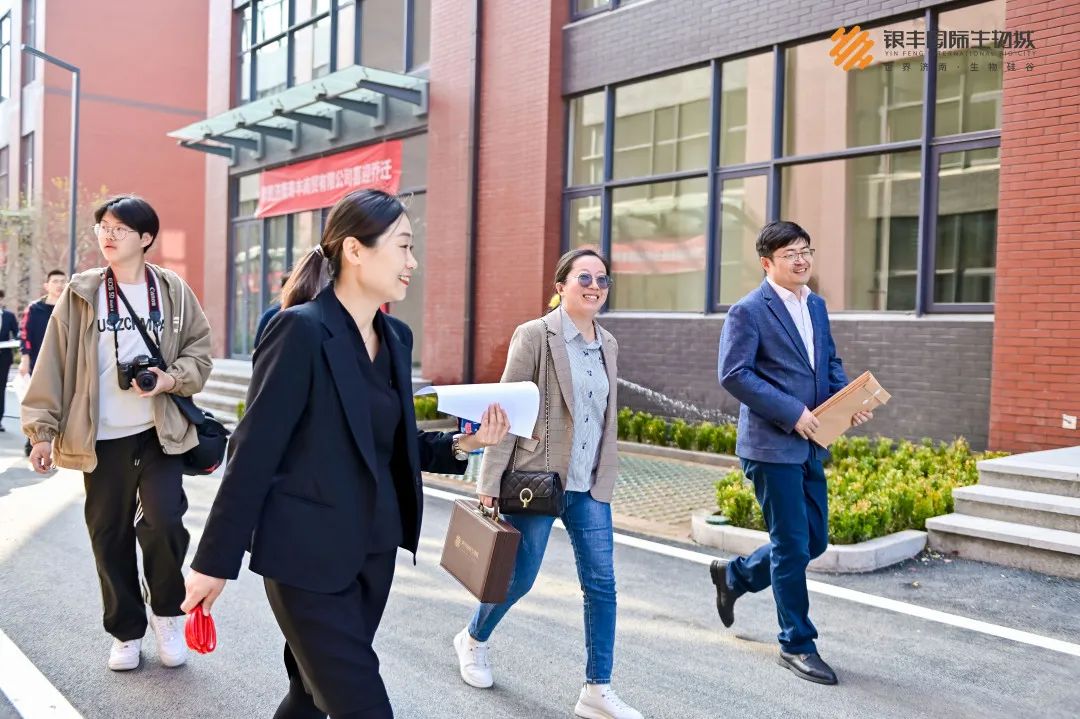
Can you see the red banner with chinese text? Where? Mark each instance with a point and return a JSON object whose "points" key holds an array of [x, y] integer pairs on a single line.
{"points": [[321, 182]]}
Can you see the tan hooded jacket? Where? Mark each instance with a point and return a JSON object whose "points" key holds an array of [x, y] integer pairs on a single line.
{"points": [[61, 404]]}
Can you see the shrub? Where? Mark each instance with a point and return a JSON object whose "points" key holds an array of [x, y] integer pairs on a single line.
{"points": [[876, 486], [426, 407]]}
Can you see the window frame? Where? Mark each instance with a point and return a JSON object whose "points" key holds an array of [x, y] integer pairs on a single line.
{"points": [[6, 66], [931, 148]]}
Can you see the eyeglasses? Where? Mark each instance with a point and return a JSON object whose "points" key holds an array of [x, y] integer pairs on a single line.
{"points": [[118, 232], [805, 256], [602, 281]]}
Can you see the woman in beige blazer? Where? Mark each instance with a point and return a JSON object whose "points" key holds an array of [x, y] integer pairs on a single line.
{"points": [[579, 389]]}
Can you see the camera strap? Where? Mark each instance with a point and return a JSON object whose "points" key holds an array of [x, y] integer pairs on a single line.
{"points": [[112, 291]]}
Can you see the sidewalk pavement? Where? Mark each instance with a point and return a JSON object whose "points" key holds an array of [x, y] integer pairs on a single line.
{"points": [[653, 496]]}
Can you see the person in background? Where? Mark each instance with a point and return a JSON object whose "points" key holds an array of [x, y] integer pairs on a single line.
{"points": [[9, 332], [35, 320], [269, 314], [777, 357], [98, 404]]}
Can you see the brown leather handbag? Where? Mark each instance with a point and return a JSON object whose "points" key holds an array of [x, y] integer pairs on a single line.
{"points": [[533, 492], [480, 550]]}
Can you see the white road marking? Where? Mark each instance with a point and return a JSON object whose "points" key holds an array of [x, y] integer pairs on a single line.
{"points": [[851, 595], [28, 689]]}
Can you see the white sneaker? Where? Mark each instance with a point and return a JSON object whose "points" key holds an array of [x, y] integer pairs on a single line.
{"points": [[125, 656], [473, 660], [172, 647], [599, 701]]}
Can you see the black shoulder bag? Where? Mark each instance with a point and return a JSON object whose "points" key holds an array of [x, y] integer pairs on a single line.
{"points": [[524, 492], [209, 453]]}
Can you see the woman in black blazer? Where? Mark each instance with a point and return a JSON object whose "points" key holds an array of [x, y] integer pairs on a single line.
{"points": [[323, 478]]}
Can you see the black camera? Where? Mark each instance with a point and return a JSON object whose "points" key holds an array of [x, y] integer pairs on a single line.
{"points": [[138, 370]]}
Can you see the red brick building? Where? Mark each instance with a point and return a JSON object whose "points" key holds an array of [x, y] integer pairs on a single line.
{"points": [[133, 91], [938, 183]]}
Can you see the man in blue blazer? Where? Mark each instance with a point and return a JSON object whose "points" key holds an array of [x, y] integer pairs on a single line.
{"points": [[778, 359]]}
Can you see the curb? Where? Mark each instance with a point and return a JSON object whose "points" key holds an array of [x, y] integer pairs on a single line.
{"points": [[844, 558], [726, 461]]}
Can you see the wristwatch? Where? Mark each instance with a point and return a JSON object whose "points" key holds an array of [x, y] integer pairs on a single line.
{"points": [[455, 446]]}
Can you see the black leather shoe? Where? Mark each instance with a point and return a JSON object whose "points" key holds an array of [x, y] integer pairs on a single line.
{"points": [[810, 667], [725, 598]]}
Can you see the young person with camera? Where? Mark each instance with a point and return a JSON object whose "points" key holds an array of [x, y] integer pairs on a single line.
{"points": [[98, 403]]}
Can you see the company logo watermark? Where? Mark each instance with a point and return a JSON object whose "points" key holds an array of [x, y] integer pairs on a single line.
{"points": [[851, 48]]}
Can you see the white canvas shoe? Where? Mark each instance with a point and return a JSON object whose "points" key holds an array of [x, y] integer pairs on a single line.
{"points": [[172, 647], [125, 656], [473, 660], [599, 701]]}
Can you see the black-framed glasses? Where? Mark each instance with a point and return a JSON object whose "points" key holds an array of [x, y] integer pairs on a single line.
{"points": [[585, 279], [118, 232], [804, 255]]}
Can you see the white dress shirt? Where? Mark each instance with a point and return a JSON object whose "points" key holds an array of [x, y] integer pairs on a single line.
{"points": [[799, 310]]}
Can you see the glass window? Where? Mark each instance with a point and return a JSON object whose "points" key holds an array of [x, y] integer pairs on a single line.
{"points": [[273, 19], [965, 251], [5, 57], [277, 229], [658, 246], [743, 212], [311, 51], [307, 232], [421, 51], [411, 309], [969, 86], [584, 6], [270, 69], [863, 217], [346, 43], [307, 9], [248, 195], [247, 284], [662, 125], [828, 108], [746, 109], [584, 226], [382, 44], [245, 54], [587, 139]]}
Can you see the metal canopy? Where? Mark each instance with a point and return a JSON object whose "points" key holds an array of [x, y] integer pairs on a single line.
{"points": [[319, 103]]}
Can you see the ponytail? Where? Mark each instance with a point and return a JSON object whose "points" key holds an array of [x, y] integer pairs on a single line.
{"points": [[306, 279]]}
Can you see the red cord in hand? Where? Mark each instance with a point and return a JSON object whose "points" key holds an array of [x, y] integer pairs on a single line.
{"points": [[199, 631]]}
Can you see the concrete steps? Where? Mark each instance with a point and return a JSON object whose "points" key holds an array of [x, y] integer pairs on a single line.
{"points": [[1024, 512]]}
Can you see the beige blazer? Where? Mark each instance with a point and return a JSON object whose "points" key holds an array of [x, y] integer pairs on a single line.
{"points": [[524, 363]]}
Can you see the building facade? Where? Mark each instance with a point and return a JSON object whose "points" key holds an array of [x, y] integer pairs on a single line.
{"points": [[937, 176], [135, 86]]}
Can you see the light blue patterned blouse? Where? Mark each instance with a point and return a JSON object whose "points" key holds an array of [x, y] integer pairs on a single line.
{"points": [[590, 404]]}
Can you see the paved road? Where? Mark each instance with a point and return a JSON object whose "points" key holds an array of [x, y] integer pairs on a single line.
{"points": [[673, 659]]}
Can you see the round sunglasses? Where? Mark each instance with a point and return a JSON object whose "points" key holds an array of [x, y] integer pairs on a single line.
{"points": [[585, 279]]}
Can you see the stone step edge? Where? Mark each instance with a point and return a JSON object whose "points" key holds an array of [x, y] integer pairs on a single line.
{"points": [[839, 558], [1019, 499], [996, 530]]}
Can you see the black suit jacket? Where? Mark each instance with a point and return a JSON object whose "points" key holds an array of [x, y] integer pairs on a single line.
{"points": [[9, 330], [299, 486]]}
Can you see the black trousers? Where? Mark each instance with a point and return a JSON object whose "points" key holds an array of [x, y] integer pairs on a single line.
{"points": [[5, 367], [136, 493], [328, 655]]}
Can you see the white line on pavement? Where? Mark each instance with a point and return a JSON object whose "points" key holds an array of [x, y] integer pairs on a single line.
{"points": [[851, 595], [28, 689]]}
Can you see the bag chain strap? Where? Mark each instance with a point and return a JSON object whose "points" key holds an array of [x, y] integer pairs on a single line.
{"points": [[547, 407]]}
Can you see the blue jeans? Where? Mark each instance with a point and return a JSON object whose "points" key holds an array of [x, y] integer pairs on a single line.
{"points": [[588, 522], [795, 504]]}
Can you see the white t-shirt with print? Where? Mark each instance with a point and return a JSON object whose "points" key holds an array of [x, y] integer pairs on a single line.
{"points": [[122, 413]]}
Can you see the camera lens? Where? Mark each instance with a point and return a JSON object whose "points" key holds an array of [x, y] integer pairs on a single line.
{"points": [[146, 380]]}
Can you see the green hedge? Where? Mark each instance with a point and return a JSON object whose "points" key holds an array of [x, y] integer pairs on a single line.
{"points": [[426, 407], [876, 486]]}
